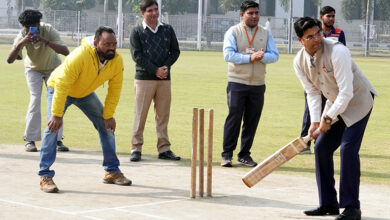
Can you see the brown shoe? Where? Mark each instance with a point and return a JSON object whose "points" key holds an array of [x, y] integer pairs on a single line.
{"points": [[48, 185], [116, 178]]}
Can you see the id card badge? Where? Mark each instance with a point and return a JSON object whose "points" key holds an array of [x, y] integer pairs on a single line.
{"points": [[250, 50]]}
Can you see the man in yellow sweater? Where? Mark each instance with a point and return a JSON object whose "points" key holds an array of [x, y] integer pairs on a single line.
{"points": [[74, 82]]}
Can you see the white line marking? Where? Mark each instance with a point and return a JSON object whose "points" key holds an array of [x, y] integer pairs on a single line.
{"points": [[144, 214], [98, 210], [37, 207]]}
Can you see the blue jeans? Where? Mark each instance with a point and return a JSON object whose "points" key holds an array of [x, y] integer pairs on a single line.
{"points": [[93, 109]]}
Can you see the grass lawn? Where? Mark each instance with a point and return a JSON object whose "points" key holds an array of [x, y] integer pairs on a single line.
{"points": [[199, 80]]}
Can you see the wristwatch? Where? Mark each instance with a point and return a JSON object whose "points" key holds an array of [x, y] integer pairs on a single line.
{"points": [[327, 119]]}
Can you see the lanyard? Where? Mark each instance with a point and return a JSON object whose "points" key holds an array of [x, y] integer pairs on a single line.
{"points": [[247, 36]]}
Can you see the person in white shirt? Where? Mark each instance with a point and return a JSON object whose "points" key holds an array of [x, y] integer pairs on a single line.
{"points": [[268, 24], [325, 66]]}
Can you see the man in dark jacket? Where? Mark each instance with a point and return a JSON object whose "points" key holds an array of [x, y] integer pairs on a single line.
{"points": [[154, 49]]}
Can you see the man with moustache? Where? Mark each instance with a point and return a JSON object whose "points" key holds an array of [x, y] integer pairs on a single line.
{"points": [[247, 48], [74, 82], [325, 67], [154, 49], [327, 16]]}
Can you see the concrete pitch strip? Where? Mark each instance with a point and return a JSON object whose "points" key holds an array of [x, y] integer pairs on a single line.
{"points": [[160, 190]]}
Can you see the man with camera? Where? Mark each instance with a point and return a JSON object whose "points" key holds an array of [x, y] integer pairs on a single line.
{"points": [[43, 44]]}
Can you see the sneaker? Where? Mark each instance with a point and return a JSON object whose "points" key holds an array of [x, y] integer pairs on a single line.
{"points": [[61, 147], [247, 161], [226, 162], [116, 178], [168, 155], [135, 156], [30, 146], [48, 185], [305, 151]]}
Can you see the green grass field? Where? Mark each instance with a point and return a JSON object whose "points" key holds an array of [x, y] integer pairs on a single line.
{"points": [[199, 80]]}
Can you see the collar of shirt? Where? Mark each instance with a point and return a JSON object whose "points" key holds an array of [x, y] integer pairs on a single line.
{"points": [[250, 28], [144, 25], [332, 30], [102, 64], [313, 59]]}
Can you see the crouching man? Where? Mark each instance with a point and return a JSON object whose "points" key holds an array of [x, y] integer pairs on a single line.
{"points": [[74, 82]]}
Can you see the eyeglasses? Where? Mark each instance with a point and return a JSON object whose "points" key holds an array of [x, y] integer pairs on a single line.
{"points": [[318, 35]]}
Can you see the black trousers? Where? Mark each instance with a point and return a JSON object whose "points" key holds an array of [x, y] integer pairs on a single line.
{"points": [[245, 105], [349, 139]]}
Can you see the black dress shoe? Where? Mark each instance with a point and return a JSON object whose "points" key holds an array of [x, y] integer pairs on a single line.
{"points": [[168, 155], [324, 210], [135, 156], [350, 213]]}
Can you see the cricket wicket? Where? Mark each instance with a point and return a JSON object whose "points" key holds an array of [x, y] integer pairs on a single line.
{"points": [[198, 121]]}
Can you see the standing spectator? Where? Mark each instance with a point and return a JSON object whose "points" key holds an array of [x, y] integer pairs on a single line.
{"points": [[154, 49], [325, 67], [43, 47], [74, 82], [327, 16], [247, 48]]}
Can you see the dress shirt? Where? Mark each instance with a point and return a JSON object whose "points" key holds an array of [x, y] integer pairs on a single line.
{"points": [[151, 29], [231, 54], [342, 67]]}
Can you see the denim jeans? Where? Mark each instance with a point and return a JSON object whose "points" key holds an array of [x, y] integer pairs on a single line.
{"points": [[93, 109]]}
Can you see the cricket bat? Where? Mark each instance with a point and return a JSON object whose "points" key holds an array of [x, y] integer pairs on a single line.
{"points": [[275, 160]]}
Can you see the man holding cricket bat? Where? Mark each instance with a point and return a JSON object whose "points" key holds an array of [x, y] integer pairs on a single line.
{"points": [[325, 66]]}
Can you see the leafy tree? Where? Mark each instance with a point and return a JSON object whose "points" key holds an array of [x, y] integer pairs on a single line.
{"points": [[286, 4], [175, 6], [382, 10], [74, 5], [352, 9], [234, 5], [230, 5], [36, 3], [170, 6], [21, 4], [356, 9]]}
